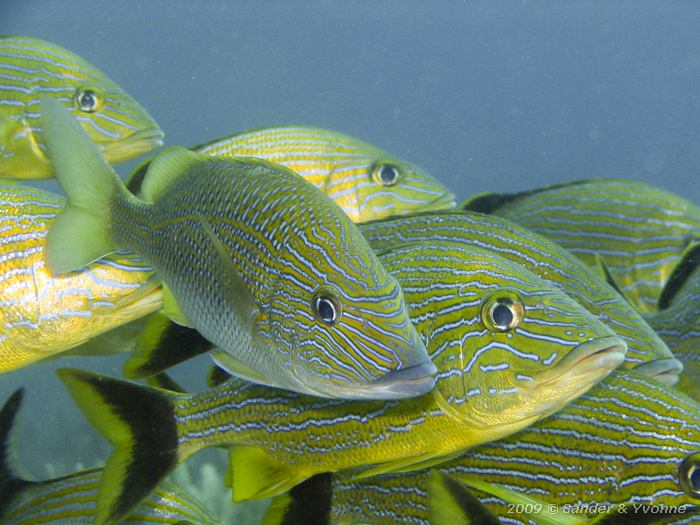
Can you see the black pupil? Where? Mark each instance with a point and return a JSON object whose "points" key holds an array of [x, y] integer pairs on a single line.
{"points": [[388, 174], [502, 316], [87, 99], [695, 478], [326, 310]]}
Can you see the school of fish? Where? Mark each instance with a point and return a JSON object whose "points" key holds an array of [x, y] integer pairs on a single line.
{"points": [[379, 355]]}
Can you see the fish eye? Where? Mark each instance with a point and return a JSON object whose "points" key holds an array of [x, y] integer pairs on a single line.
{"points": [[385, 174], [87, 100], [502, 311], [689, 475], [326, 307]]}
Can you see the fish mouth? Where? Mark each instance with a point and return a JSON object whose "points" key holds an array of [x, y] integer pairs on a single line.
{"points": [[665, 371], [445, 201], [136, 144], [403, 383], [595, 358]]}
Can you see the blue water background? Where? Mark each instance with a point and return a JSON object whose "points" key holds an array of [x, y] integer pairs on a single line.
{"points": [[486, 95]]}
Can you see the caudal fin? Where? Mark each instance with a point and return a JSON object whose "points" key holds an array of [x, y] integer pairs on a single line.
{"points": [[11, 485], [139, 422], [81, 232], [309, 503]]}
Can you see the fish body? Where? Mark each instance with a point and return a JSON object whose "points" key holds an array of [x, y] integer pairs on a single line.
{"points": [[42, 314], [364, 181], [258, 260], [629, 440], [71, 499], [678, 324], [637, 230], [646, 351], [30, 68], [509, 351]]}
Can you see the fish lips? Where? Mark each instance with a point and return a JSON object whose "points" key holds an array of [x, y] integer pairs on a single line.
{"points": [[665, 371], [136, 144], [596, 357]]}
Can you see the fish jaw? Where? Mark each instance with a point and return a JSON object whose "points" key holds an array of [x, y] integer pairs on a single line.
{"points": [[134, 145], [446, 201], [665, 371]]}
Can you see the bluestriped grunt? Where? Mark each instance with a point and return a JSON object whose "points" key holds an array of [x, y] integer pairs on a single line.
{"points": [[42, 314], [364, 181], [71, 499], [629, 440], [635, 232], [31, 68], [646, 351], [258, 260], [509, 350]]}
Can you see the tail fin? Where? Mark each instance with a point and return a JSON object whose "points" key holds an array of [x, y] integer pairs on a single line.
{"points": [[139, 422], [309, 503], [81, 233], [10, 484]]}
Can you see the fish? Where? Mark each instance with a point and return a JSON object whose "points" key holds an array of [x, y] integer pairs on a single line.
{"points": [[31, 68], [509, 350], [629, 441], [72, 498], [633, 231], [43, 315], [364, 181], [554, 265], [678, 323], [258, 260]]}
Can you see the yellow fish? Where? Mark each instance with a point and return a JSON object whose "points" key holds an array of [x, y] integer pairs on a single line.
{"points": [[30, 68]]}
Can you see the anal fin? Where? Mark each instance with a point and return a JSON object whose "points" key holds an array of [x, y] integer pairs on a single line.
{"points": [[254, 474]]}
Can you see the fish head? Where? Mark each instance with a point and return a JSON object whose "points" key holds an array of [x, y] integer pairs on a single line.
{"points": [[388, 186], [509, 348], [118, 124], [345, 320]]}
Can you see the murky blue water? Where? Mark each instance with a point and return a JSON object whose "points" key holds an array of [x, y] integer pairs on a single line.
{"points": [[487, 95]]}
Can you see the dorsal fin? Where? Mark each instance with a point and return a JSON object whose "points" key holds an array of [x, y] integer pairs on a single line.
{"points": [[11, 485], [166, 169], [690, 260]]}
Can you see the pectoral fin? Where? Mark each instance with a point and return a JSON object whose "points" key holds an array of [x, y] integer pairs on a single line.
{"points": [[235, 367], [690, 260], [217, 376], [450, 502], [254, 474], [602, 269], [172, 310]]}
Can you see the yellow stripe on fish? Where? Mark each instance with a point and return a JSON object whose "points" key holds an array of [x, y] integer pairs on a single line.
{"points": [[42, 314], [509, 350], [646, 351], [629, 440], [72, 498], [638, 231], [365, 181], [258, 260], [31, 68]]}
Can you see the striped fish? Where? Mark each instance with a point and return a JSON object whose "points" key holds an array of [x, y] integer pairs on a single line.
{"points": [[678, 324], [258, 260], [646, 351], [42, 314], [629, 441], [509, 350], [365, 181], [71, 499], [30, 68], [634, 231]]}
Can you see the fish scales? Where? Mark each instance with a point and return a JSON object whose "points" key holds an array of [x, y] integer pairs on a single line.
{"points": [[30, 68], [599, 450], [541, 256], [344, 168], [641, 231], [42, 314], [488, 385]]}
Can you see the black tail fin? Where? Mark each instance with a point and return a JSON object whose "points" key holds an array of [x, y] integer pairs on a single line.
{"points": [[140, 422], [10, 484], [309, 503], [451, 502]]}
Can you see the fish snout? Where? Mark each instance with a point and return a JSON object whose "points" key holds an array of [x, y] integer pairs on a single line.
{"points": [[666, 371]]}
